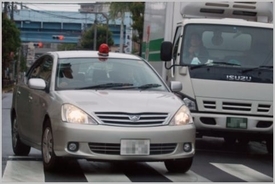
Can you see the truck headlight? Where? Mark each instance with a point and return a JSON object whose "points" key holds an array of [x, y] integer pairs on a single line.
{"points": [[72, 114], [182, 117], [190, 103]]}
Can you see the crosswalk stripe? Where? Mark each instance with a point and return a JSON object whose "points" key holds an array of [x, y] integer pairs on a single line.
{"points": [[243, 172], [189, 176], [31, 170], [100, 171], [23, 171]]}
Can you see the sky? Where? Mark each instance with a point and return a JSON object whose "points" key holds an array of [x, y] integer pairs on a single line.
{"points": [[54, 7], [57, 5]]}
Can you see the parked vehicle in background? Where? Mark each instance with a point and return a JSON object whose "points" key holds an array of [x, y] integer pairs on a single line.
{"points": [[100, 106], [229, 90]]}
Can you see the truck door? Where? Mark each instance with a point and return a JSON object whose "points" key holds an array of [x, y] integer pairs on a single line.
{"points": [[175, 51]]}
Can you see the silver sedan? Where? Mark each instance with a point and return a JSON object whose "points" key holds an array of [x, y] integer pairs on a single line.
{"points": [[115, 107]]}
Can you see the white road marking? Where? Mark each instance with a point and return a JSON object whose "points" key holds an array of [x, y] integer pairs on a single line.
{"points": [[99, 172], [243, 172], [189, 176], [24, 171]]}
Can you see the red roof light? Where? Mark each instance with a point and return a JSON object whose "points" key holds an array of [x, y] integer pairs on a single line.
{"points": [[103, 50]]}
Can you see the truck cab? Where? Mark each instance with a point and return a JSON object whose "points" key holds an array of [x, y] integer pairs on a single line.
{"points": [[223, 54]]}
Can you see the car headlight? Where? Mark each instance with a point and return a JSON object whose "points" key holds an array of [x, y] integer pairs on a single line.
{"points": [[182, 117], [72, 114], [190, 103]]}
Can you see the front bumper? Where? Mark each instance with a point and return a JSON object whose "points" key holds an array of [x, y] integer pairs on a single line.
{"points": [[215, 123], [84, 135]]}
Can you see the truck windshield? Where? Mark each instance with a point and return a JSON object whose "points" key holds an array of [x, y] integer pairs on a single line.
{"points": [[227, 46]]}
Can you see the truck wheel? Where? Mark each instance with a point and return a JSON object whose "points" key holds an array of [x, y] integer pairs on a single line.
{"points": [[269, 145], [243, 141], [178, 166], [230, 140], [19, 148], [50, 160]]}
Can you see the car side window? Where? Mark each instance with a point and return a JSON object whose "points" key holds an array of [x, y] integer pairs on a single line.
{"points": [[46, 69], [42, 68]]}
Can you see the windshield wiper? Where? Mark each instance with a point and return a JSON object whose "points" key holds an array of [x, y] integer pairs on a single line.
{"points": [[147, 86], [107, 85], [215, 63], [257, 68]]}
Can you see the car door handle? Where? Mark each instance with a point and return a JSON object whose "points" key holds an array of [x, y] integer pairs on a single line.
{"points": [[18, 92], [30, 97]]}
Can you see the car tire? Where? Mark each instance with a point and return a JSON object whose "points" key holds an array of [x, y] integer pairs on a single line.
{"points": [[19, 148], [50, 160], [269, 145], [178, 166]]}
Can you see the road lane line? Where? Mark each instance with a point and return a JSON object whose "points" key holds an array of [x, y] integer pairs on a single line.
{"points": [[243, 172], [22, 171], [189, 176]]}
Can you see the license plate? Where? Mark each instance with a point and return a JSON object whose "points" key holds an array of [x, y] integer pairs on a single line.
{"points": [[134, 147], [234, 122]]}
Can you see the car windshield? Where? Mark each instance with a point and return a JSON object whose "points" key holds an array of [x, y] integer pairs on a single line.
{"points": [[113, 74]]}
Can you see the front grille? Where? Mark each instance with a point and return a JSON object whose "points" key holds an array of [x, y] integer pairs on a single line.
{"points": [[114, 149], [263, 108], [236, 106], [130, 119], [209, 104]]}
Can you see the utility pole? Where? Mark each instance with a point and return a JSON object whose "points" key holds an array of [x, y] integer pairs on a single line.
{"points": [[121, 33], [12, 10], [6, 4], [95, 31]]}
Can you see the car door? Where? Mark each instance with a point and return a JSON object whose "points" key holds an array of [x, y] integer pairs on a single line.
{"points": [[40, 100], [25, 110]]}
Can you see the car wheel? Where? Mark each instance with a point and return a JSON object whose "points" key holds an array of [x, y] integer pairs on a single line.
{"points": [[19, 148], [269, 145], [178, 166], [50, 160]]}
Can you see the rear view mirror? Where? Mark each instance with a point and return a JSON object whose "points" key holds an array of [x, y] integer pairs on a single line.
{"points": [[166, 51], [175, 86], [36, 83]]}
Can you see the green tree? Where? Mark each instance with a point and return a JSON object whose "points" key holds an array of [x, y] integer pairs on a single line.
{"points": [[137, 11], [11, 42], [87, 40], [117, 10]]}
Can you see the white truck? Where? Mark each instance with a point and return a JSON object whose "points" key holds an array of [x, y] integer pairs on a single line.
{"points": [[229, 90]]}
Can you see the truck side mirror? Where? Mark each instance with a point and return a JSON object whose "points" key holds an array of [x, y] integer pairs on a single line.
{"points": [[166, 51]]}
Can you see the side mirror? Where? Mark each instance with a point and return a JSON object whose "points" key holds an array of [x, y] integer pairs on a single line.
{"points": [[36, 83], [166, 51], [176, 86]]}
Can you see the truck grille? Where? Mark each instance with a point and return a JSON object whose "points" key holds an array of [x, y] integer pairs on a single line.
{"points": [[130, 119], [114, 149], [240, 107], [263, 108], [236, 106]]}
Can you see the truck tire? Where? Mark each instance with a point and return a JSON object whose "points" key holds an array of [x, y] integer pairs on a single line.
{"points": [[19, 148], [178, 166], [230, 140], [243, 141], [269, 145]]}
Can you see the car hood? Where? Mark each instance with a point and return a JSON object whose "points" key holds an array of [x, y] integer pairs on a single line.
{"points": [[122, 100]]}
